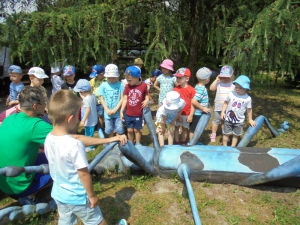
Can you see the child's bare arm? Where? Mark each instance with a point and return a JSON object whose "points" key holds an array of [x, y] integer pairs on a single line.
{"points": [[190, 117], [213, 85], [197, 105], [145, 102], [107, 110], [86, 180], [123, 106], [87, 111], [224, 109], [118, 105], [155, 85], [13, 102], [250, 119]]}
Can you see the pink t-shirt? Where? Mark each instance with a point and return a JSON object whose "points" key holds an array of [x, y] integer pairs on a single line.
{"points": [[135, 96], [187, 94]]}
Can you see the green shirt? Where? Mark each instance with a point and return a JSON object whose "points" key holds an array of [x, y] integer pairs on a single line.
{"points": [[21, 137], [95, 84]]}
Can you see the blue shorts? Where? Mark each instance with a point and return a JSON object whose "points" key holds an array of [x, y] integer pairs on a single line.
{"points": [[68, 214], [100, 110], [135, 122], [39, 181], [114, 124]]}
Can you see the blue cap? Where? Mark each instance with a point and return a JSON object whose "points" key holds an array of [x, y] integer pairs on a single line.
{"points": [[14, 69], [97, 69], [133, 71], [69, 70], [156, 73], [243, 81], [82, 85]]}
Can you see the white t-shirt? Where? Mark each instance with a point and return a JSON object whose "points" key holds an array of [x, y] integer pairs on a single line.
{"points": [[170, 114], [237, 106], [90, 101], [66, 155], [56, 83]]}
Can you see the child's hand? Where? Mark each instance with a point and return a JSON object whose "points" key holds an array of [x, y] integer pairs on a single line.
{"points": [[93, 201], [81, 123], [222, 116], [145, 103], [218, 78], [179, 119], [122, 116], [7, 101], [163, 129], [189, 119], [252, 123], [206, 110]]}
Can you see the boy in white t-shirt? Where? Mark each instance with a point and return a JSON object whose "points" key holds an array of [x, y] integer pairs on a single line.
{"points": [[90, 117], [166, 116], [72, 183], [234, 108]]}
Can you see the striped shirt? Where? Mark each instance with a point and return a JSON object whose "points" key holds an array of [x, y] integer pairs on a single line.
{"points": [[222, 92]]}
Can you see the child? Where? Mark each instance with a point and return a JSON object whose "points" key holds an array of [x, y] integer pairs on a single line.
{"points": [[97, 78], [187, 93], [234, 108], [111, 98], [139, 63], [72, 183], [166, 116], [90, 118], [15, 75], [150, 81], [222, 85], [165, 81], [135, 98], [56, 77], [200, 100], [69, 76]]}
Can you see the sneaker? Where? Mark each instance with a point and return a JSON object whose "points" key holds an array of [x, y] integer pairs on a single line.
{"points": [[213, 137], [122, 222]]}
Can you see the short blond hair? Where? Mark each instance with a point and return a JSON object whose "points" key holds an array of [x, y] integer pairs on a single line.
{"points": [[62, 104]]}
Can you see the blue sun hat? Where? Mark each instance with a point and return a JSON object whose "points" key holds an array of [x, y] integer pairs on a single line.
{"points": [[97, 69], [243, 81], [82, 85], [156, 73], [133, 71]]}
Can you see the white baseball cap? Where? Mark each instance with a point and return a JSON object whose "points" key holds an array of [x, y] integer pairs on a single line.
{"points": [[38, 72]]}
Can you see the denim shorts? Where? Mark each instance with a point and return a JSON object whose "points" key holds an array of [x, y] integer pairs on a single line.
{"points": [[114, 124], [183, 122], [233, 128], [217, 117], [135, 122], [68, 214], [100, 110]]}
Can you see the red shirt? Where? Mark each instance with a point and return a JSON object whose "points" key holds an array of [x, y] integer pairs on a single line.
{"points": [[135, 96], [187, 94]]}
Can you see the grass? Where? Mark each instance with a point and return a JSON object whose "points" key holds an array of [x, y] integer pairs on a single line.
{"points": [[143, 199]]}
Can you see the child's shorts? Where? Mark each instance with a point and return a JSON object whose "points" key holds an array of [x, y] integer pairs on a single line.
{"points": [[135, 122], [100, 110], [89, 131], [217, 118], [233, 128], [114, 124], [194, 123], [169, 127], [68, 214], [183, 122]]}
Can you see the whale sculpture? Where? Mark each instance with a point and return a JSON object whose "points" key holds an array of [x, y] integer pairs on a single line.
{"points": [[216, 164]]}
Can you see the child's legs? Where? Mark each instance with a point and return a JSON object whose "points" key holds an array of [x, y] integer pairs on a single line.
{"points": [[130, 134], [234, 141], [237, 131], [228, 130], [130, 121], [176, 133], [171, 130], [193, 125], [138, 125], [68, 214], [89, 131], [100, 112], [225, 139], [160, 136], [216, 122], [185, 128], [138, 135]]}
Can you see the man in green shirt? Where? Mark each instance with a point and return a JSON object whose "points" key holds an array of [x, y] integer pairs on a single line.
{"points": [[22, 134]]}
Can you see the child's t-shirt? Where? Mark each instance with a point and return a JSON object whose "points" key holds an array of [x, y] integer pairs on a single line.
{"points": [[66, 155], [89, 101], [222, 92], [14, 90], [187, 94], [237, 106], [149, 83], [95, 84], [166, 84], [170, 114], [135, 96], [202, 97], [56, 83], [112, 96]]}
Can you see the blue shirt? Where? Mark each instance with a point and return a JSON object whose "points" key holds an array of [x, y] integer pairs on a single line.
{"points": [[202, 97], [14, 90], [112, 96]]}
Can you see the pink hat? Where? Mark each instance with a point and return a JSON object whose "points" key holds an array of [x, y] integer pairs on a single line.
{"points": [[167, 64]]}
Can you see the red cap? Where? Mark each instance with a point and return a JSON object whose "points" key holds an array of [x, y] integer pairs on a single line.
{"points": [[183, 72]]}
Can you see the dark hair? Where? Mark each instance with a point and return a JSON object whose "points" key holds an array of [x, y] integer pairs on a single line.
{"points": [[29, 96]]}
